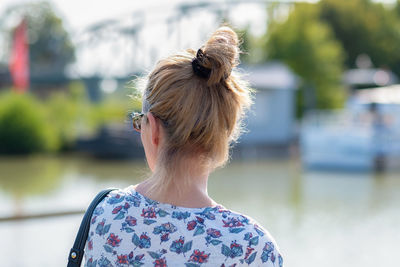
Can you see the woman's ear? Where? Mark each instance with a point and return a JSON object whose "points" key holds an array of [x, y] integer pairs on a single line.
{"points": [[154, 128]]}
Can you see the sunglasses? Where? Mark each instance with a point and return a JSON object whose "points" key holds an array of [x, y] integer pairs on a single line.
{"points": [[137, 120]]}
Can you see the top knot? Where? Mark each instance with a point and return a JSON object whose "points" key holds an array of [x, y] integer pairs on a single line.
{"points": [[220, 54], [198, 67]]}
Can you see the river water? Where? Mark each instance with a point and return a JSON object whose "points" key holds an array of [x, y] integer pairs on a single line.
{"points": [[319, 219]]}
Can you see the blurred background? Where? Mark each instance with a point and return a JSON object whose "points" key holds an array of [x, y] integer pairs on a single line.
{"points": [[319, 166]]}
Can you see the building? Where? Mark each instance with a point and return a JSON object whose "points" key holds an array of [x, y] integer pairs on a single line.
{"points": [[271, 121]]}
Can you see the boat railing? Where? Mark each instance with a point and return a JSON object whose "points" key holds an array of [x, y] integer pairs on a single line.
{"points": [[383, 132]]}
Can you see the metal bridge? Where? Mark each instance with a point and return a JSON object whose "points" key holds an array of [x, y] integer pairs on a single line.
{"points": [[134, 41]]}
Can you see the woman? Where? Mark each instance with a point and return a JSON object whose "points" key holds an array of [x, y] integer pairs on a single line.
{"points": [[193, 104]]}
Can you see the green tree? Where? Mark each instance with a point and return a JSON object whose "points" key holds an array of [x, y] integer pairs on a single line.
{"points": [[23, 125], [50, 46], [309, 48], [365, 27], [397, 7], [251, 52]]}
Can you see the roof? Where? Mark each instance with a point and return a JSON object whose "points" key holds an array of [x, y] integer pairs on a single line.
{"points": [[272, 75], [380, 95], [374, 77]]}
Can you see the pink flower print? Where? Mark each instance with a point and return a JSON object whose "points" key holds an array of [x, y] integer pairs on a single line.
{"points": [[149, 213], [232, 222], [191, 225], [122, 259], [93, 219], [199, 256], [90, 245], [164, 237], [272, 257], [269, 246], [200, 220], [213, 232], [113, 240], [160, 263], [131, 221], [169, 227], [116, 209], [248, 252]]}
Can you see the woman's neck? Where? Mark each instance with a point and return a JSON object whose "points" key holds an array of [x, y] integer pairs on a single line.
{"points": [[191, 194]]}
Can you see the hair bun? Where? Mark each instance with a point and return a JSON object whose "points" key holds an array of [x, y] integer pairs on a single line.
{"points": [[221, 54]]}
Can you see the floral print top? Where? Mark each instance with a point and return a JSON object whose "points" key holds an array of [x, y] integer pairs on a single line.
{"points": [[129, 229]]}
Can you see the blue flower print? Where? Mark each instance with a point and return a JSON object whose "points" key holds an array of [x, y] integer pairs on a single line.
{"points": [[143, 241], [150, 202], [180, 215], [131, 221], [208, 213], [101, 228], [121, 210], [98, 211], [164, 229], [104, 262], [125, 260], [127, 225], [253, 241], [280, 260], [249, 257], [115, 199], [212, 234], [235, 250], [160, 261], [134, 199], [129, 230], [258, 229], [269, 246], [233, 224], [267, 252], [197, 225], [91, 263], [179, 246]]}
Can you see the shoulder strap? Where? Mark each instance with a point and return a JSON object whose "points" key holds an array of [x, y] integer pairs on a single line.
{"points": [[76, 253]]}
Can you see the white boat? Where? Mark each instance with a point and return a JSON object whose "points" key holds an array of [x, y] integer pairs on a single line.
{"points": [[363, 137]]}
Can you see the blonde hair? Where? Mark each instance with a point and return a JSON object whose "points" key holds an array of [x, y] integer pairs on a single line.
{"points": [[201, 117]]}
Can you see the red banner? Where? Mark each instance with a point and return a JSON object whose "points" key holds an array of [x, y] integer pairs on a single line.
{"points": [[19, 61]]}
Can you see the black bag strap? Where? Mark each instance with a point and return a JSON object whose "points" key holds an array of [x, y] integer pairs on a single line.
{"points": [[76, 254]]}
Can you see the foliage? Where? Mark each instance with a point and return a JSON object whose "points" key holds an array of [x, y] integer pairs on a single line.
{"points": [[250, 50], [309, 48], [365, 27], [23, 127], [108, 111], [397, 8], [29, 125], [318, 40], [65, 111], [113, 109], [50, 47]]}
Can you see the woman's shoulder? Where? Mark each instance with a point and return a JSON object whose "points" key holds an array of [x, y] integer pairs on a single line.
{"points": [[258, 245], [125, 196]]}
